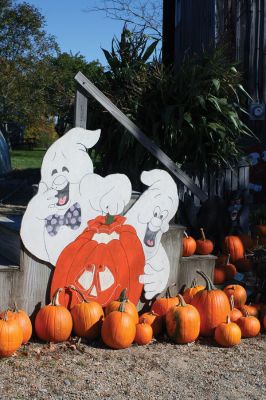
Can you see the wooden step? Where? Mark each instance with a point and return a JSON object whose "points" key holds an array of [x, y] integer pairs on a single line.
{"points": [[189, 266], [10, 243]]}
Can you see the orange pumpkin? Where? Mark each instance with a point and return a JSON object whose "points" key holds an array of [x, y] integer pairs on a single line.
{"points": [[189, 293], [130, 308], [189, 245], [234, 247], [249, 325], [235, 313], [264, 321], [87, 317], [154, 320], [11, 336], [221, 260], [23, 320], [204, 246], [225, 270], [251, 309], [227, 334], [183, 322], [106, 257], [239, 293], [144, 333], [219, 275], [163, 304], [118, 329], [53, 323], [212, 305]]}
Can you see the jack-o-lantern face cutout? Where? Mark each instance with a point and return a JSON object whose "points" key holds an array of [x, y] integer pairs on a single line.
{"points": [[101, 262]]}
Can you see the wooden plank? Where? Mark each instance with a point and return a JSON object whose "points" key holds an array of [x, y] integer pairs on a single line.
{"points": [[235, 179], [228, 180], [189, 266], [241, 178], [81, 104], [139, 135]]}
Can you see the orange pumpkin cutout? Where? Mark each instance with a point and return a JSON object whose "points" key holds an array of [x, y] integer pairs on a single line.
{"points": [[103, 260]]}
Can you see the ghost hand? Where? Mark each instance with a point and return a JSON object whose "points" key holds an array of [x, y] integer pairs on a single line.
{"points": [[155, 278], [44, 201], [117, 194]]}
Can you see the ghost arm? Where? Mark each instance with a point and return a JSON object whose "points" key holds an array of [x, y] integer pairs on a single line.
{"points": [[156, 274], [106, 195]]}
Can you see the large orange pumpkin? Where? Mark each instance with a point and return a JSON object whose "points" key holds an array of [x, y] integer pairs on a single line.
{"points": [[183, 322], [234, 246], [87, 317], [53, 323], [130, 307], [118, 329], [104, 259], [212, 305], [11, 336]]}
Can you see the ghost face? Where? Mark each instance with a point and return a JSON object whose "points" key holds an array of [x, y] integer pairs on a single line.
{"points": [[62, 170], [154, 218]]}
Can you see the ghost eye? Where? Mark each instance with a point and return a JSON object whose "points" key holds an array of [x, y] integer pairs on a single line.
{"points": [[65, 169], [54, 171], [163, 214], [156, 212]]}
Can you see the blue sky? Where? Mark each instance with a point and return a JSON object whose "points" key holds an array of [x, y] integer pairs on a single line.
{"points": [[76, 30]]}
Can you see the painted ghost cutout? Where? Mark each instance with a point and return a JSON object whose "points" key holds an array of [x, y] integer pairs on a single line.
{"points": [[150, 216], [69, 195]]}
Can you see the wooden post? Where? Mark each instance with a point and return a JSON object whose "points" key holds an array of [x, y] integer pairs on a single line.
{"points": [[81, 104]]}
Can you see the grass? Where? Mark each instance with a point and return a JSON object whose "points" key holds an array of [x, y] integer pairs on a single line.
{"points": [[23, 159]]}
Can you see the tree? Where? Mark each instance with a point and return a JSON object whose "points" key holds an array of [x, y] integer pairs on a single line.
{"points": [[138, 15], [26, 51]]}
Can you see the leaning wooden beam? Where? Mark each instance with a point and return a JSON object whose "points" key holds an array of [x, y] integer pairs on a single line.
{"points": [[88, 87]]}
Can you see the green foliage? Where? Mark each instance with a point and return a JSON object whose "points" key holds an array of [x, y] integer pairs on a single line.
{"points": [[195, 116]]}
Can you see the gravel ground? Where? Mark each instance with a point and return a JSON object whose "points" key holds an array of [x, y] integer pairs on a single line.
{"points": [[161, 370]]}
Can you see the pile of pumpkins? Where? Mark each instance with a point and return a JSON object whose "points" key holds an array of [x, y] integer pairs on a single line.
{"points": [[233, 260], [200, 311]]}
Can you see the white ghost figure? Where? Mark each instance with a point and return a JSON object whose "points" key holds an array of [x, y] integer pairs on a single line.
{"points": [[150, 216], [69, 195]]}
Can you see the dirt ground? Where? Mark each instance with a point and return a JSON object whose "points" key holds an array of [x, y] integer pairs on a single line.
{"points": [[161, 370]]}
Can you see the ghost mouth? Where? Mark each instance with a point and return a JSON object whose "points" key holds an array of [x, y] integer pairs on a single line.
{"points": [[63, 196], [150, 236], [234, 215]]}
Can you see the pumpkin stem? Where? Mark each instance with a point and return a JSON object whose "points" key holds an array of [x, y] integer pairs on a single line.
{"points": [[72, 287], [15, 307], [182, 302], [228, 258], [185, 234], [232, 302], [193, 283], [228, 320], [55, 298], [123, 295], [122, 306], [109, 219], [183, 288], [244, 311], [209, 284], [168, 294], [6, 316], [202, 234]]}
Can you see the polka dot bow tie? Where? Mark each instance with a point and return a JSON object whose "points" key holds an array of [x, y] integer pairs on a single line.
{"points": [[71, 219]]}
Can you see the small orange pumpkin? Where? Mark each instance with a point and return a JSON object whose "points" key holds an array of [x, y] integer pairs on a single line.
{"points": [[251, 309], [154, 320], [212, 305], [53, 323], [163, 304], [227, 334], [189, 293], [130, 307], [144, 333], [219, 275], [11, 336], [87, 317], [239, 293], [118, 328], [23, 320], [189, 246], [183, 322], [204, 246], [249, 325]]}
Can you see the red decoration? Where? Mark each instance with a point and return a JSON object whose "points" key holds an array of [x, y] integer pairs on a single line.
{"points": [[106, 258]]}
